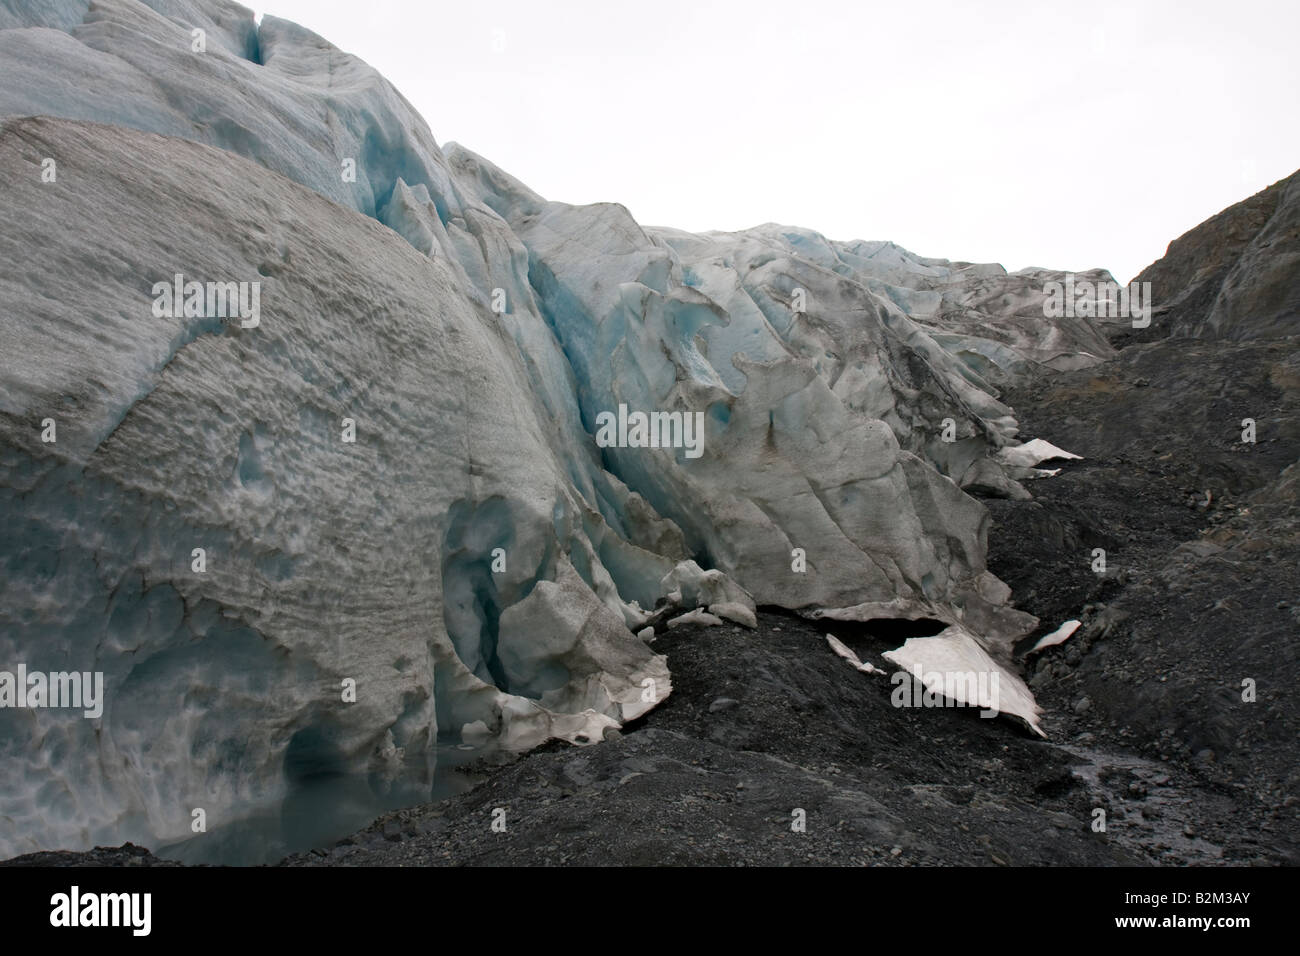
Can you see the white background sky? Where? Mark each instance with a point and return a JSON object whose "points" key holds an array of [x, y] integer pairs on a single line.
{"points": [[1069, 135]]}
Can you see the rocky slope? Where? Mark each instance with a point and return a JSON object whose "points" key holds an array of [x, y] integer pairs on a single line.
{"points": [[1233, 276]]}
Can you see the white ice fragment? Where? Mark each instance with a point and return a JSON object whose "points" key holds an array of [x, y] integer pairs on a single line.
{"points": [[633, 616], [562, 627], [733, 611], [646, 634], [1058, 636], [843, 650], [692, 586], [953, 663], [1031, 453], [847, 653], [525, 725], [698, 616]]}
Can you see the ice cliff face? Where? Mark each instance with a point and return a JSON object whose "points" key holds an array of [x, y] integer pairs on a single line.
{"points": [[381, 513]]}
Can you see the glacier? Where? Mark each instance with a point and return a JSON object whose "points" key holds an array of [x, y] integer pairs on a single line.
{"points": [[378, 524]]}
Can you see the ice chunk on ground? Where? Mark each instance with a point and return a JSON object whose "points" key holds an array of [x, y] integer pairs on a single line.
{"points": [[691, 586], [846, 652], [698, 616], [562, 647], [1032, 453], [1058, 636], [733, 611], [953, 663]]}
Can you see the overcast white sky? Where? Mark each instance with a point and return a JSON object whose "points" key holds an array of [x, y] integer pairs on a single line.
{"points": [[1070, 135]]}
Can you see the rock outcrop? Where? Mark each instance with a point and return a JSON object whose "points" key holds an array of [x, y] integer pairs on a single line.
{"points": [[1233, 276]]}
